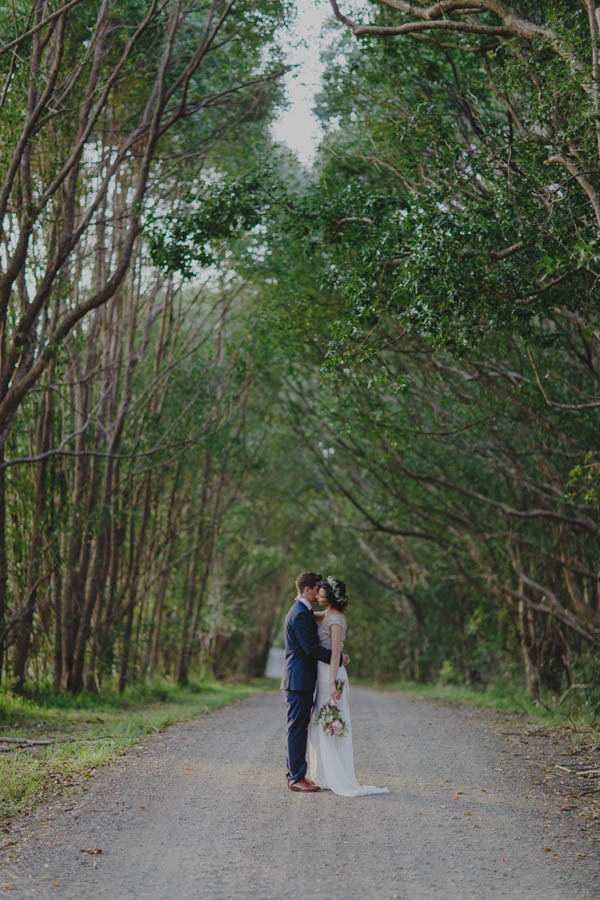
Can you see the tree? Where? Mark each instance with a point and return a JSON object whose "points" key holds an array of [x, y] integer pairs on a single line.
{"points": [[101, 102]]}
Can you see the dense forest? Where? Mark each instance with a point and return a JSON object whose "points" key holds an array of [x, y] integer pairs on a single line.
{"points": [[218, 368]]}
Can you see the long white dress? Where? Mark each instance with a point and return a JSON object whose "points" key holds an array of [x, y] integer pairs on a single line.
{"points": [[331, 758]]}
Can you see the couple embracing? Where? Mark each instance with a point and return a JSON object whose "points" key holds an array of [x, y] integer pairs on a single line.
{"points": [[319, 733]]}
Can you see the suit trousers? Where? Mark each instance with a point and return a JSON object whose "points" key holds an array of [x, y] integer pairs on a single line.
{"points": [[299, 706]]}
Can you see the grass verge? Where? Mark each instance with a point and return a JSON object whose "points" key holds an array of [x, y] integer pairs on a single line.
{"points": [[573, 714], [88, 730]]}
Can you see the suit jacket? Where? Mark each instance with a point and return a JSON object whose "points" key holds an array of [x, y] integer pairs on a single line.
{"points": [[302, 650]]}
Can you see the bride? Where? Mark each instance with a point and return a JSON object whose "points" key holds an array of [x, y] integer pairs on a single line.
{"points": [[330, 753]]}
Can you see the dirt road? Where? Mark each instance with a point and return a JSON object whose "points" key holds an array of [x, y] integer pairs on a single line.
{"points": [[201, 811]]}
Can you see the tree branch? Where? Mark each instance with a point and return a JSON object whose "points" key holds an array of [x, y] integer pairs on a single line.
{"points": [[577, 407], [430, 18]]}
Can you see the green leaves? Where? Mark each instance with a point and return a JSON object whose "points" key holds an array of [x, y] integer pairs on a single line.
{"points": [[196, 235]]}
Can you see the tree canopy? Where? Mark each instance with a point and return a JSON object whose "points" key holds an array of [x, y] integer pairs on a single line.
{"points": [[220, 368]]}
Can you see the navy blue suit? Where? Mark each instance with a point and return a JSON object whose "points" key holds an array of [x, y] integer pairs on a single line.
{"points": [[302, 652]]}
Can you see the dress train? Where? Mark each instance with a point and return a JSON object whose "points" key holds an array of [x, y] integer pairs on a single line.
{"points": [[331, 758]]}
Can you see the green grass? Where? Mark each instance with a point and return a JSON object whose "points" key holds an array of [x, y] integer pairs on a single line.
{"points": [[577, 711], [88, 730]]}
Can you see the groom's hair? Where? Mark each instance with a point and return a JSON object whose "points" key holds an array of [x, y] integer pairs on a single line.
{"points": [[307, 579]]}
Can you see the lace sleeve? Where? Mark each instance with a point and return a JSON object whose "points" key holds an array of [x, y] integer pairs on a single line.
{"points": [[337, 619]]}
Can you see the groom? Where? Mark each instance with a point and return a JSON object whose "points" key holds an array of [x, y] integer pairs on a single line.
{"points": [[302, 651]]}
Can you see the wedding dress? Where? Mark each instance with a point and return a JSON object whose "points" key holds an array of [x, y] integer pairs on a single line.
{"points": [[331, 758]]}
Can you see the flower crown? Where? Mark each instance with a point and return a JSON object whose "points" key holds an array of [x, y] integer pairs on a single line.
{"points": [[333, 584]]}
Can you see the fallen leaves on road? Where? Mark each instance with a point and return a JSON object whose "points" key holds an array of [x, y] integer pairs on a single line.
{"points": [[565, 761], [8, 844]]}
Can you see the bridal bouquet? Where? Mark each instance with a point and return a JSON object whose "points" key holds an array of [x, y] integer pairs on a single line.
{"points": [[331, 720]]}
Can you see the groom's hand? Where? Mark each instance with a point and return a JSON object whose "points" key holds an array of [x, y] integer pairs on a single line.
{"points": [[345, 659]]}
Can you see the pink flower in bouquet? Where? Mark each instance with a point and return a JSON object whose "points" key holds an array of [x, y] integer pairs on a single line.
{"points": [[331, 720]]}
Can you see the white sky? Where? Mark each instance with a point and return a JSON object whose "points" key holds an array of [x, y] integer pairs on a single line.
{"points": [[297, 126]]}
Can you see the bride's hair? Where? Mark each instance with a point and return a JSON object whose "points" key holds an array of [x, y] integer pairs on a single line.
{"points": [[336, 593]]}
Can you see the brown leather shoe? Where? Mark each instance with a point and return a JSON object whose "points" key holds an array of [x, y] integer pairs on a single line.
{"points": [[302, 786]]}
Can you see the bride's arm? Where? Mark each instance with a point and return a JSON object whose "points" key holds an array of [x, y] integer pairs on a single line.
{"points": [[336, 650]]}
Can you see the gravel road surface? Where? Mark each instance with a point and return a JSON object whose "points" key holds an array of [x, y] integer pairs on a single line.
{"points": [[202, 811]]}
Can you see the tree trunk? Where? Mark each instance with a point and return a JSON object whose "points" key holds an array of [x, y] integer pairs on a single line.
{"points": [[527, 645], [3, 561], [34, 566]]}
